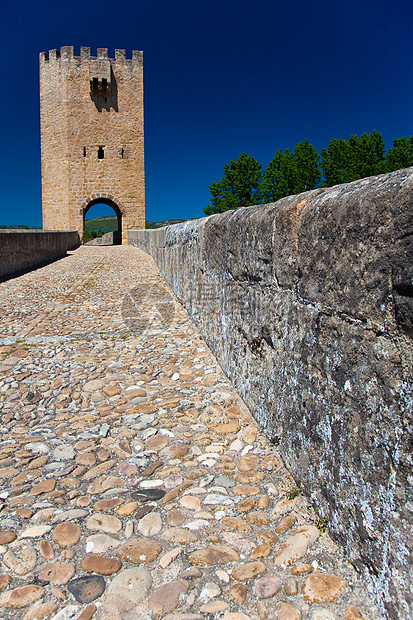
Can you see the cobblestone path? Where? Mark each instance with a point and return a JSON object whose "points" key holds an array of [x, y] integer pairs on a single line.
{"points": [[134, 481]]}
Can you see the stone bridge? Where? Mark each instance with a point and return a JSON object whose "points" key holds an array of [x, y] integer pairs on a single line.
{"points": [[135, 479]]}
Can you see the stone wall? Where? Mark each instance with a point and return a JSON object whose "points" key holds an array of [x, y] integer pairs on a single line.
{"points": [[21, 250], [109, 238], [92, 136], [308, 306]]}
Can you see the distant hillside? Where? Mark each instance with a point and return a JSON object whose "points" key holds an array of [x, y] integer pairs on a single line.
{"points": [[164, 223], [22, 226], [105, 224], [108, 223]]}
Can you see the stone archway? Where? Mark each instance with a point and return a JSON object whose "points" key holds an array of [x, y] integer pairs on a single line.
{"points": [[109, 200]]}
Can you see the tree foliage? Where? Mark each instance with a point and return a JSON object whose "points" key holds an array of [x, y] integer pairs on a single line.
{"points": [[293, 172], [307, 170], [239, 186], [401, 155], [345, 161], [335, 162], [278, 177], [88, 235]]}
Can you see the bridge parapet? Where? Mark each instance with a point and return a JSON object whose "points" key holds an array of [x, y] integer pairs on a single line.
{"points": [[307, 305], [22, 250]]}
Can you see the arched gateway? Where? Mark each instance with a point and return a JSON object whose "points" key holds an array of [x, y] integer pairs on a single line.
{"points": [[91, 112], [109, 200]]}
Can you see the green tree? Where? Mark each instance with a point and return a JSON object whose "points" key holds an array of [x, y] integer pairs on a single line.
{"points": [[291, 173], [335, 161], [271, 178], [345, 161], [308, 173], [369, 155], [401, 155], [279, 177], [88, 235], [239, 186]]}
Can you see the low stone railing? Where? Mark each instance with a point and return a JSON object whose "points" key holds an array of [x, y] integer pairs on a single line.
{"points": [[21, 250], [308, 306]]}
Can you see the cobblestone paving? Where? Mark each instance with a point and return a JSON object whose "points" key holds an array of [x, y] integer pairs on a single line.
{"points": [[135, 483]]}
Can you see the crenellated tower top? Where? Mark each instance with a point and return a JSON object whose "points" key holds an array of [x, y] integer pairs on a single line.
{"points": [[66, 52]]}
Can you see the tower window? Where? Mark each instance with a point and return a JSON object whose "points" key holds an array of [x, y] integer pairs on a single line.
{"points": [[101, 153], [84, 151], [122, 153]]}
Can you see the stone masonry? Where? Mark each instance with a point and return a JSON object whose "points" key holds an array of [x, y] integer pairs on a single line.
{"points": [[307, 304], [134, 482], [27, 249], [92, 138]]}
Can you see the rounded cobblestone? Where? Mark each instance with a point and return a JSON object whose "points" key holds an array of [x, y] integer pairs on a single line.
{"points": [[125, 453]]}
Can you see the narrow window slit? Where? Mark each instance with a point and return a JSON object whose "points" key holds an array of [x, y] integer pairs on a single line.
{"points": [[101, 153]]}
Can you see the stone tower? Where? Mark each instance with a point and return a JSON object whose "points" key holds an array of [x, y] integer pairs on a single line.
{"points": [[91, 116]]}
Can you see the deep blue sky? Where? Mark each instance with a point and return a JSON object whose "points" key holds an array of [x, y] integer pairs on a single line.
{"points": [[221, 77]]}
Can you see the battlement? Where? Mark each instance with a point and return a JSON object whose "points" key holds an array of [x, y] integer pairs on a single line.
{"points": [[66, 52]]}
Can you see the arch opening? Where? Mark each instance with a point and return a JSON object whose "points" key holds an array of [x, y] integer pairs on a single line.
{"points": [[102, 223]]}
